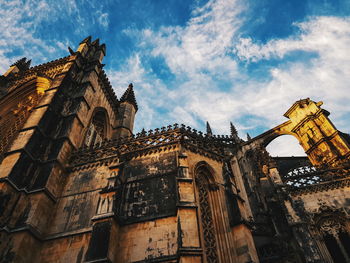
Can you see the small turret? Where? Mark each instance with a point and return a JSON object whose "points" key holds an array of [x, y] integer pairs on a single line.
{"points": [[129, 96], [234, 133], [20, 65], [233, 130], [248, 137], [126, 113], [209, 131], [91, 49]]}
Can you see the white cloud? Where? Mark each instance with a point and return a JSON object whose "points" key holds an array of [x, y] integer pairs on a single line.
{"points": [[204, 44], [201, 57], [320, 34], [103, 19], [324, 77], [148, 90], [285, 146], [22, 21], [198, 55], [208, 82], [19, 21]]}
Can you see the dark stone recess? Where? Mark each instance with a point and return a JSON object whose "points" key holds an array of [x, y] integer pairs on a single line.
{"points": [[23, 171], [285, 164], [234, 213], [4, 199], [7, 254], [98, 246]]}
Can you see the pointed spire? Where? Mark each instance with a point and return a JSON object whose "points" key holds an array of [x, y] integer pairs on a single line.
{"points": [[209, 131], [129, 96], [96, 42], [248, 137], [233, 130], [71, 51], [86, 40]]}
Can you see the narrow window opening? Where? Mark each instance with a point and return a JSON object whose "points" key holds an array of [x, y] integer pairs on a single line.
{"points": [[97, 129]]}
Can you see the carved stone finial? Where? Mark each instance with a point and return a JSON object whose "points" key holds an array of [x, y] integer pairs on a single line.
{"points": [[248, 137], [96, 42], [233, 129], [71, 51], [209, 131], [86, 40]]}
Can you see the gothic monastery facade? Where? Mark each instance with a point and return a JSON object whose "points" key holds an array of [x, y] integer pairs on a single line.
{"points": [[78, 185]]}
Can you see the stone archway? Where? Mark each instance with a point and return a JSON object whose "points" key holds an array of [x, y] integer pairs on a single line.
{"points": [[310, 125]]}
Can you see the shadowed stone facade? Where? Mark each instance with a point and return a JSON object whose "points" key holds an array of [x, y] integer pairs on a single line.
{"points": [[77, 185]]}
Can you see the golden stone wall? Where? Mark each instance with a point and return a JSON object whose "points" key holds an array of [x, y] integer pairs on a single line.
{"points": [[168, 195]]}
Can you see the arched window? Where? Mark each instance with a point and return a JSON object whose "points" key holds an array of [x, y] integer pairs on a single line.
{"points": [[336, 238], [96, 132], [206, 215]]}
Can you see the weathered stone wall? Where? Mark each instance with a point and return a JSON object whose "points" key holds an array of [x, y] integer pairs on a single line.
{"points": [[338, 198], [155, 239], [38, 201], [78, 202], [71, 248]]}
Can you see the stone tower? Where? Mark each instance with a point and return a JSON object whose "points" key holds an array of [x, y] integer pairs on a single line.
{"points": [[78, 185], [127, 110]]}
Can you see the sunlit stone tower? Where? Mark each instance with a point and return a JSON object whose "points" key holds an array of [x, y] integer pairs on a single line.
{"points": [[78, 185]]}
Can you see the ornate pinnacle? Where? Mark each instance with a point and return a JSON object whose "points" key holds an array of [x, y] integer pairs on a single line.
{"points": [[71, 51], [129, 96], [22, 64], [86, 40], [248, 137], [233, 130], [96, 42], [209, 131]]}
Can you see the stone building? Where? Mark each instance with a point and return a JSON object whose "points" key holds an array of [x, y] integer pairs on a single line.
{"points": [[77, 185]]}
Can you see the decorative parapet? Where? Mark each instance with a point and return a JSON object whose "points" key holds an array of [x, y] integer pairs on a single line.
{"points": [[305, 180], [146, 141], [23, 76]]}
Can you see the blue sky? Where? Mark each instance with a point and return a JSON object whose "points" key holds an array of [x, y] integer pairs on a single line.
{"points": [[197, 61]]}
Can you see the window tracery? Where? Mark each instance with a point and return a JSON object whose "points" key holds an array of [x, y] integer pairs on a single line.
{"points": [[97, 129], [334, 234], [206, 218]]}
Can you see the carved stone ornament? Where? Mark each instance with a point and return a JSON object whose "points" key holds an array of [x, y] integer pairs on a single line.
{"points": [[330, 226], [207, 220]]}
